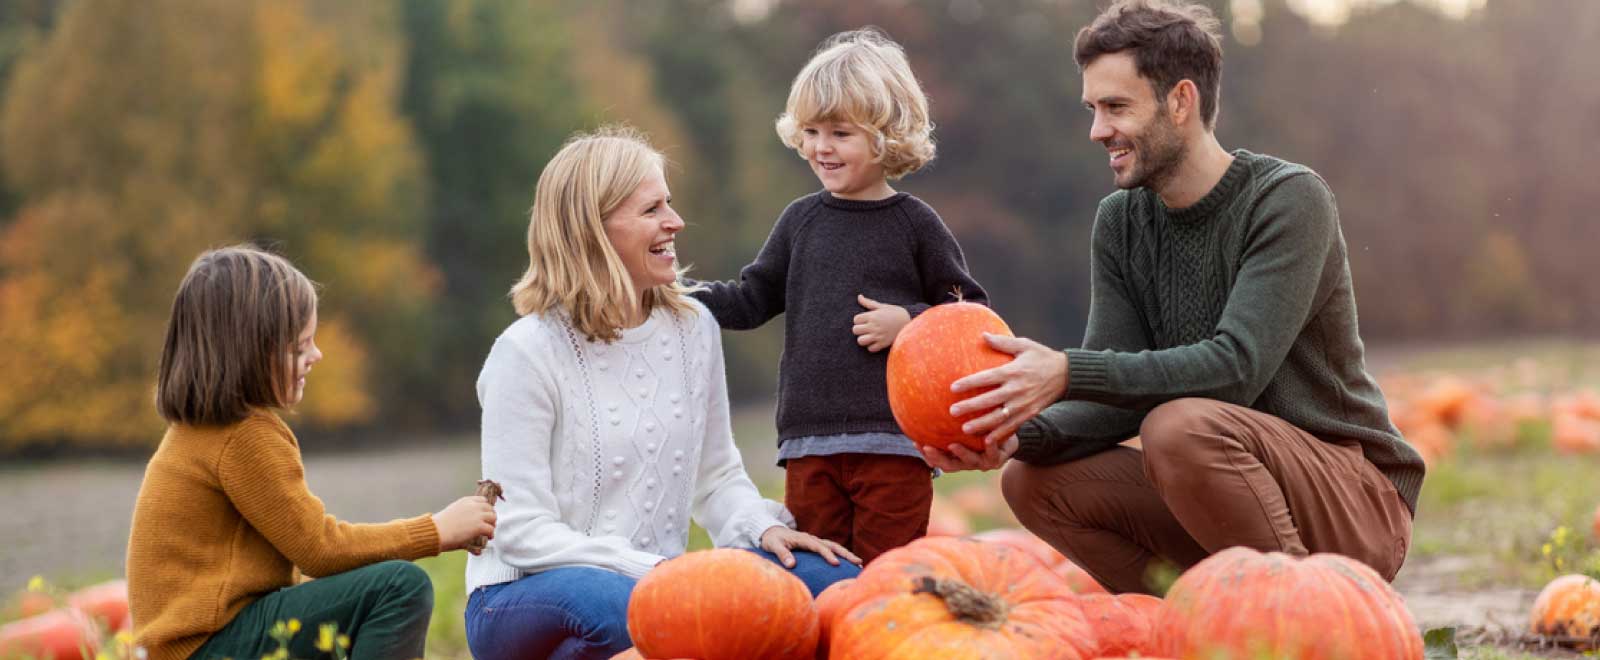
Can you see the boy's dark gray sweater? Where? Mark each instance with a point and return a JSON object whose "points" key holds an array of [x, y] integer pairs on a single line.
{"points": [[821, 253], [1244, 297]]}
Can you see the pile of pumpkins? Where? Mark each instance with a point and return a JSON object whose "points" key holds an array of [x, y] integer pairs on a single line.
{"points": [[1436, 412], [953, 597], [73, 630]]}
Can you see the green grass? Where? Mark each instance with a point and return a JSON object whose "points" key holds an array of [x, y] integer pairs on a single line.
{"points": [[1503, 509]]}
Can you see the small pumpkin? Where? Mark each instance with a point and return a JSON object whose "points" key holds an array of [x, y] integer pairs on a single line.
{"points": [[939, 347], [64, 634], [1240, 603], [1124, 624], [947, 597], [722, 604], [106, 603], [832, 603], [1036, 547], [1596, 528], [1569, 609]]}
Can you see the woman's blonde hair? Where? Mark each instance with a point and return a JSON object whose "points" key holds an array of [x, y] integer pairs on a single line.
{"points": [[572, 266], [235, 319], [862, 77]]}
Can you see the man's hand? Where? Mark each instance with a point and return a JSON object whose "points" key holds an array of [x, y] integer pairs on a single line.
{"points": [[959, 457], [877, 327], [1035, 378]]}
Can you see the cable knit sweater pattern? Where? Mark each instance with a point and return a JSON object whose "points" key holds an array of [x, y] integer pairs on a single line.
{"points": [[606, 451]]}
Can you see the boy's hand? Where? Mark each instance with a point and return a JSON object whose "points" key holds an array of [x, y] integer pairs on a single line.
{"points": [[877, 327], [464, 520]]}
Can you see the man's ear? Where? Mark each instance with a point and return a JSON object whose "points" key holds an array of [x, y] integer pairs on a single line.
{"points": [[1183, 101]]}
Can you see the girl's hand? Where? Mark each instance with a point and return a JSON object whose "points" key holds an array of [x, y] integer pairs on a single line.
{"points": [[464, 520], [779, 539], [877, 327]]}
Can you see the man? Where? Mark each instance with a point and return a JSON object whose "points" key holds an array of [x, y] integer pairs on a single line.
{"points": [[1222, 331]]}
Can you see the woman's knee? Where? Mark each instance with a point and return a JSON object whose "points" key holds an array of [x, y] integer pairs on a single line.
{"points": [[814, 571]]}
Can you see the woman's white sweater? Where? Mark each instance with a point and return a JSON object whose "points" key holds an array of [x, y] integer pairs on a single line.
{"points": [[605, 451]]}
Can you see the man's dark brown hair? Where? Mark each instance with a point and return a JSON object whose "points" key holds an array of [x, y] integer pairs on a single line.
{"points": [[235, 320], [1169, 41]]}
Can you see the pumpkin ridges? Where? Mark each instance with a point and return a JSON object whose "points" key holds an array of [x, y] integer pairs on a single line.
{"points": [[685, 608], [1043, 618], [942, 344], [1320, 607], [1568, 607]]}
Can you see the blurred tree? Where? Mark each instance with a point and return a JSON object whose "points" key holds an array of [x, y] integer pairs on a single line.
{"points": [[144, 132], [490, 91]]}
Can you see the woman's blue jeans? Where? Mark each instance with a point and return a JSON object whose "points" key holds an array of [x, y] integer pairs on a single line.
{"points": [[579, 613]]}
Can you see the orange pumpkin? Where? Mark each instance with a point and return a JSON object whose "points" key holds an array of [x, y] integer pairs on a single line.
{"points": [[940, 346], [106, 603], [1597, 524], [30, 603], [831, 604], [1240, 603], [1569, 608], [1036, 547], [947, 597], [1123, 624], [633, 654], [64, 634], [722, 604]]}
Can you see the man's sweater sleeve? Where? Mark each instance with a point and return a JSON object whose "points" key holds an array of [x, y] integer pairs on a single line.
{"points": [[759, 293], [1070, 430], [1291, 235]]}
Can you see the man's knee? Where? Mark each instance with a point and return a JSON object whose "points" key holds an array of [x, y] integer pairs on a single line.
{"points": [[1021, 486], [1168, 431]]}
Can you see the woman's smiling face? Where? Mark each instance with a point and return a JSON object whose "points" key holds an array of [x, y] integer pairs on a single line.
{"points": [[641, 230]]}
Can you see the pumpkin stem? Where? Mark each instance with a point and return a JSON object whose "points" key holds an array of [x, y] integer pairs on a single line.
{"points": [[967, 604], [955, 290]]}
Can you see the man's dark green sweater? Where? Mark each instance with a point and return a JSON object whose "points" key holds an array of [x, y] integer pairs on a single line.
{"points": [[1244, 297]]}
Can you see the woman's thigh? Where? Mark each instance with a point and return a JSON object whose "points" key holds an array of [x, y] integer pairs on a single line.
{"points": [[575, 612]]}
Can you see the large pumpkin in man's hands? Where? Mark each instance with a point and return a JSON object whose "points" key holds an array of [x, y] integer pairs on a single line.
{"points": [[939, 347]]}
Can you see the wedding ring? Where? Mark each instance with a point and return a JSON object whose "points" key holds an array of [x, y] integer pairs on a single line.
{"points": [[1005, 411]]}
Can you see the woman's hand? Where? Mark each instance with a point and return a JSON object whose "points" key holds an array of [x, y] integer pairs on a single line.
{"points": [[877, 327], [464, 520], [779, 539], [960, 458]]}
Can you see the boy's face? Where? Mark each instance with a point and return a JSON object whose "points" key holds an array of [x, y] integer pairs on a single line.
{"points": [[841, 156], [302, 355]]}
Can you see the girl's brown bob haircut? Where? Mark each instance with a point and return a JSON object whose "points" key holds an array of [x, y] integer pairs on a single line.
{"points": [[235, 320]]}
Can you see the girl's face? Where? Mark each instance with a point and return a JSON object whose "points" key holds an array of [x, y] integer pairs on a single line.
{"points": [[302, 355], [642, 231], [840, 154]]}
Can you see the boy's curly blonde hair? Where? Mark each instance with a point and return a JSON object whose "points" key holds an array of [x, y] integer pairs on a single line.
{"points": [[862, 77]]}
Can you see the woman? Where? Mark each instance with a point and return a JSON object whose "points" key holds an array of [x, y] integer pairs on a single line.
{"points": [[605, 419]]}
